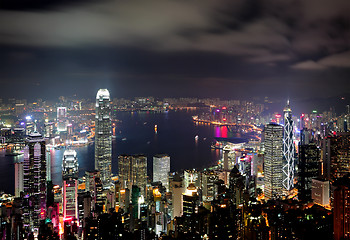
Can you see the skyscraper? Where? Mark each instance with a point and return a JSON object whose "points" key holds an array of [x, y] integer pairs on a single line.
{"points": [[18, 178], [70, 185], [308, 168], [161, 168], [273, 160], [61, 119], [133, 171], [103, 136], [341, 205], [288, 149], [336, 156], [34, 181]]}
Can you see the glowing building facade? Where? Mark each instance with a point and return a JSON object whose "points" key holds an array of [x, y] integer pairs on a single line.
{"points": [[288, 150], [103, 136], [273, 161], [133, 171], [34, 182], [70, 185], [61, 119], [161, 168]]}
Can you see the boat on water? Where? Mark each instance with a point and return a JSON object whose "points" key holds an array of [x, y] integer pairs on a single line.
{"points": [[217, 145], [123, 139], [13, 154], [155, 128]]}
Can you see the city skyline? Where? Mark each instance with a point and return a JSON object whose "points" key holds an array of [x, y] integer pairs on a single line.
{"points": [[168, 119]]}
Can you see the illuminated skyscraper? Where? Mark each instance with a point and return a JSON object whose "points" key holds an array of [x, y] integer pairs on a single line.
{"points": [[341, 211], [336, 156], [103, 136], [61, 119], [70, 185], [273, 160], [18, 178], [161, 168], [288, 149], [133, 171], [34, 182], [208, 179]]}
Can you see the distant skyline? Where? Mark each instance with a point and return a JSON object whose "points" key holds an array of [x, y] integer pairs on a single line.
{"points": [[228, 49]]}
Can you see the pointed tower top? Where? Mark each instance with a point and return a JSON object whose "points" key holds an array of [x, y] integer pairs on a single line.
{"points": [[287, 108]]}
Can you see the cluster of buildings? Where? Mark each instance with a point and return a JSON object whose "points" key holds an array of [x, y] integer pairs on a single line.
{"points": [[292, 184]]}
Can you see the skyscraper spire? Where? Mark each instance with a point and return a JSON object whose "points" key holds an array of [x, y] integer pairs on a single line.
{"points": [[288, 149], [103, 136]]}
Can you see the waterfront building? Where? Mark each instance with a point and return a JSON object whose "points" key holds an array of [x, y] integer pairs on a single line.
{"points": [[161, 169], [133, 171], [70, 185], [34, 182], [103, 136], [61, 119], [288, 149], [273, 161]]}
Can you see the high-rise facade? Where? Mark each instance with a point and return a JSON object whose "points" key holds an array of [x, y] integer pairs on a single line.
{"points": [[103, 136], [337, 156], [34, 181], [161, 169], [288, 149], [70, 185], [341, 211], [61, 119], [133, 171], [18, 178], [273, 160], [308, 168], [208, 179]]}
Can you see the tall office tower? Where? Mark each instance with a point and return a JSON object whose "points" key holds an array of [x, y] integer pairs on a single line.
{"points": [[288, 150], [133, 171], [70, 185], [236, 186], [34, 181], [161, 169], [103, 137], [190, 200], [273, 161], [340, 155], [18, 178], [208, 179], [336, 156], [320, 191], [61, 119], [341, 212], [308, 168], [191, 176]]}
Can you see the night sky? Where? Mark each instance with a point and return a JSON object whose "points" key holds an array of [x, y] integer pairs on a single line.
{"points": [[248, 49]]}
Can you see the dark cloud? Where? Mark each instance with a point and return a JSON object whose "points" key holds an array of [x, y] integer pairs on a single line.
{"points": [[167, 47]]}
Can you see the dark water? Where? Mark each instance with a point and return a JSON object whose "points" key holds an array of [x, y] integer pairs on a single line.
{"points": [[175, 136]]}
